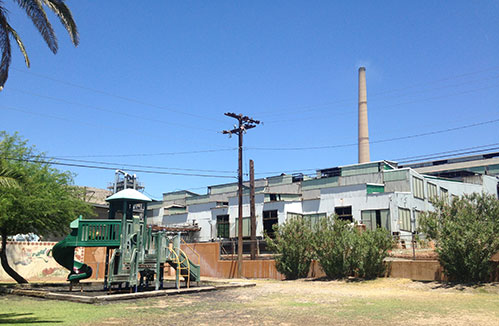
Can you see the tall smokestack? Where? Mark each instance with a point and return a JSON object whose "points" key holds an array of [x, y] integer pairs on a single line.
{"points": [[363, 129]]}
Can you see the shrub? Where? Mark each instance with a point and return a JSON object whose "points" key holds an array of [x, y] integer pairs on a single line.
{"points": [[344, 250], [466, 235], [292, 246], [374, 246], [332, 246]]}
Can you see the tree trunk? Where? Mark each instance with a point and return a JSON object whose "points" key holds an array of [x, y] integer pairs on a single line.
{"points": [[5, 263]]}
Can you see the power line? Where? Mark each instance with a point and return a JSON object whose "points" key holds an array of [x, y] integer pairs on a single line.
{"points": [[446, 152], [151, 154], [455, 152], [94, 125], [326, 104], [116, 168], [124, 98], [11, 108], [346, 111], [426, 158], [376, 141], [142, 117], [152, 196], [136, 165]]}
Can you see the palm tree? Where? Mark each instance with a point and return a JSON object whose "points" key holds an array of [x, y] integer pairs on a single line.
{"points": [[8, 178], [34, 9]]}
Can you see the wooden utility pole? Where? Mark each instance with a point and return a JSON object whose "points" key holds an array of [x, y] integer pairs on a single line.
{"points": [[245, 123], [252, 210]]}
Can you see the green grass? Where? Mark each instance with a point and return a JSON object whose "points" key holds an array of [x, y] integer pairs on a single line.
{"points": [[25, 311]]}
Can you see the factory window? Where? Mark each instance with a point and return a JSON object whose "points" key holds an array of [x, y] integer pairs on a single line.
{"points": [[269, 219], [417, 188], [417, 215], [246, 227], [293, 215], [314, 218], [444, 194], [223, 226], [432, 192], [405, 219], [376, 218], [274, 197], [344, 213]]}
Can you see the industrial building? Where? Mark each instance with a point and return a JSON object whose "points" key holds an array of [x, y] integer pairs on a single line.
{"points": [[377, 194]]}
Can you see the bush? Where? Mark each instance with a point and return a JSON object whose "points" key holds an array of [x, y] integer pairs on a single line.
{"points": [[292, 246], [344, 250], [466, 235], [374, 246], [332, 245]]}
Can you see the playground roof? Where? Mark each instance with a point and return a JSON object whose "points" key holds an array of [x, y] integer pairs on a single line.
{"points": [[130, 195]]}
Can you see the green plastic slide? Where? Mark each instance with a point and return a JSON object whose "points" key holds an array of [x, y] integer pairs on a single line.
{"points": [[63, 253]]}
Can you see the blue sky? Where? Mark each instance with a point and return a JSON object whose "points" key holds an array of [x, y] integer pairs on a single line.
{"points": [[156, 78]]}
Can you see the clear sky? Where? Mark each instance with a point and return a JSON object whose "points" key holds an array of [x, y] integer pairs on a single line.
{"points": [[156, 77]]}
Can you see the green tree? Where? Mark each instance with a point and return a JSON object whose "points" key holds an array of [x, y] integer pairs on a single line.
{"points": [[35, 11], [466, 235], [44, 202], [292, 246]]}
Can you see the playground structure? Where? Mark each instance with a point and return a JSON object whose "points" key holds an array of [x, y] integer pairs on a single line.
{"points": [[136, 253]]}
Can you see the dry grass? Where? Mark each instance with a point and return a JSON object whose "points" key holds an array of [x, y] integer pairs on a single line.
{"points": [[379, 302]]}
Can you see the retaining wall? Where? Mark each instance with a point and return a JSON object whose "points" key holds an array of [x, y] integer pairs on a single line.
{"points": [[34, 261]]}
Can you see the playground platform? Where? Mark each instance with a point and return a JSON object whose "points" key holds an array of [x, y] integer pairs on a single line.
{"points": [[92, 292]]}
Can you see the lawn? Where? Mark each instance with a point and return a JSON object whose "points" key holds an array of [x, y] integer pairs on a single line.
{"points": [[378, 302]]}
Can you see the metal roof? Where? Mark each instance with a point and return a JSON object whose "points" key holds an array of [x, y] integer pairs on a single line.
{"points": [[130, 195]]}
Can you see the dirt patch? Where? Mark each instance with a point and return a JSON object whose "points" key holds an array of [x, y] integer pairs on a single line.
{"points": [[321, 302]]}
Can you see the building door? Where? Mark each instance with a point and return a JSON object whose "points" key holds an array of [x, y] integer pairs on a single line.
{"points": [[269, 219]]}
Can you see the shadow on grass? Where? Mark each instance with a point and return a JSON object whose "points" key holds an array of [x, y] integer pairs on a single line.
{"points": [[27, 318], [345, 279], [460, 286]]}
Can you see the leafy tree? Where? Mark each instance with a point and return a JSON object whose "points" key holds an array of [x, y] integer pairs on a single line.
{"points": [[292, 246], [35, 11], [466, 235], [44, 202]]}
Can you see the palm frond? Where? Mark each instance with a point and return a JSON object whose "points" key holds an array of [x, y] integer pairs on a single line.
{"points": [[5, 48], [8, 178], [35, 11], [66, 18], [19, 43]]}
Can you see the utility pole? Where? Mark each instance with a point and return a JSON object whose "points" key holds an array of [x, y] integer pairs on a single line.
{"points": [[252, 210], [245, 123]]}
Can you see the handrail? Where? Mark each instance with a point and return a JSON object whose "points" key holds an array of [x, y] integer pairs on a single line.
{"points": [[188, 262], [104, 232], [194, 251], [177, 270], [179, 265], [133, 266], [111, 265]]}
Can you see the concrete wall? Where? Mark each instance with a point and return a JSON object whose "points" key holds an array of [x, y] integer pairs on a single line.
{"points": [[213, 266], [34, 261]]}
